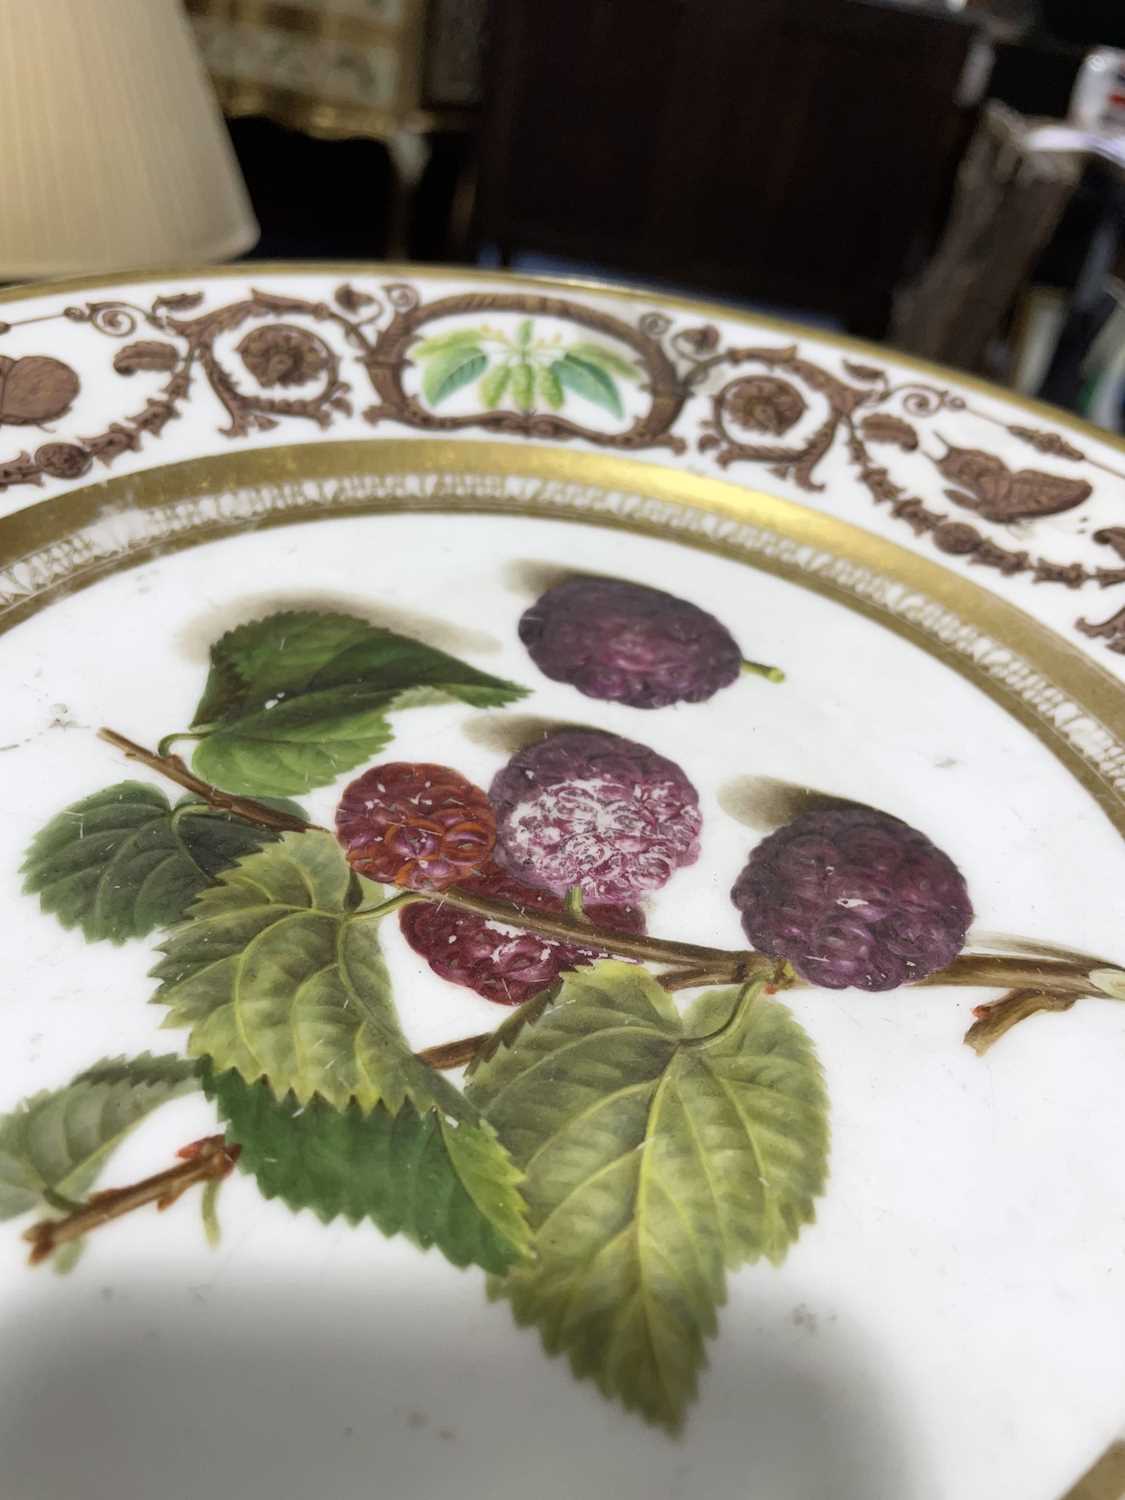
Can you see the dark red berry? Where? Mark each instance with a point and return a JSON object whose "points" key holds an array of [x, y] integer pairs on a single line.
{"points": [[588, 809], [502, 963], [852, 896], [418, 826], [629, 643]]}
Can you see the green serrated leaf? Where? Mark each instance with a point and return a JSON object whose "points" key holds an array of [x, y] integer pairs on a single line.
{"points": [[453, 1186], [298, 744], [493, 385], [523, 386], [443, 341], [549, 388], [589, 381], [57, 1141], [123, 862], [653, 1163], [276, 978], [272, 658], [608, 360], [299, 697], [450, 369], [523, 333]]}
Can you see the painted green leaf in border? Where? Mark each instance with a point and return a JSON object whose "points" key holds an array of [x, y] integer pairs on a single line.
{"points": [[277, 978], [523, 386], [443, 341], [123, 862], [453, 1186], [609, 360], [549, 388], [56, 1142], [654, 1163], [447, 370], [493, 385], [590, 381], [293, 700]]}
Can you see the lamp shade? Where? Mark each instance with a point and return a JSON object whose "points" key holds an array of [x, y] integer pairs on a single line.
{"points": [[113, 152]]}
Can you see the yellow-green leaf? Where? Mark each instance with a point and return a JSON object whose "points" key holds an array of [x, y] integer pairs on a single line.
{"points": [[276, 978], [450, 369], [57, 1142], [493, 385], [655, 1160], [550, 390], [523, 386]]}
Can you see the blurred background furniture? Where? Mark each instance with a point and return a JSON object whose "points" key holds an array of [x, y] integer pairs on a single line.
{"points": [[1008, 203], [403, 73], [800, 154], [114, 155]]}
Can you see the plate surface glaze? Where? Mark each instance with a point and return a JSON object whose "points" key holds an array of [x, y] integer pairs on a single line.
{"points": [[706, 825]]}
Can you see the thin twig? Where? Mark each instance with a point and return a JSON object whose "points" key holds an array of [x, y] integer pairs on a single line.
{"points": [[1067, 976], [994, 1020], [454, 1054], [175, 770], [208, 1160], [585, 935]]}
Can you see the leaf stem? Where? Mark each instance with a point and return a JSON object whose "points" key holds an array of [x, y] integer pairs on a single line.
{"points": [[164, 746], [175, 770], [762, 669], [386, 908], [208, 1160]]}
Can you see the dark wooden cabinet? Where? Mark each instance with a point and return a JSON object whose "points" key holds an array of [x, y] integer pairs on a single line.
{"points": [[790, 151]]}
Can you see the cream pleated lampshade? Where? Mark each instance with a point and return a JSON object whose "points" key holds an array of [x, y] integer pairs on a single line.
{"points": [[113, 153]]}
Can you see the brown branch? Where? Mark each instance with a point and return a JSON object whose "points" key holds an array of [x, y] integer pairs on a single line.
{"points": [[175, 770], [454, 1054], [1062, 977], [208, 1160], [577, 930], [993, 1021], [990, 971]]}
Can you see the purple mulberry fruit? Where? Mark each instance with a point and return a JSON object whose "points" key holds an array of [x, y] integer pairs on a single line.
{"points": [[852, 896], [629, 643], [503, 963], [593, 810]]}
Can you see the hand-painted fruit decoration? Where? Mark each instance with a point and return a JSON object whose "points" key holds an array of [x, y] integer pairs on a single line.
{"points": [[419, 826], [504, 963], [629, 643], [593, 810], [854, 897]]}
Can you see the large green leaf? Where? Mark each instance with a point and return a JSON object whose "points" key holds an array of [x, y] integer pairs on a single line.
{"points": [[655, 1160], [295, 699], [448, 369], [589, 380], [57, 1141], [124, 862], [442, 1184], [277, 978]]}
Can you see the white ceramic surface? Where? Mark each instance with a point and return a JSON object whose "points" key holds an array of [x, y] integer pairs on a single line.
{"points": [[952, 1323]]}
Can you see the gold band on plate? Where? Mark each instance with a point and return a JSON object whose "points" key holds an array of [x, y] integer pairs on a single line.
{"points": [[1072, 705]]}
